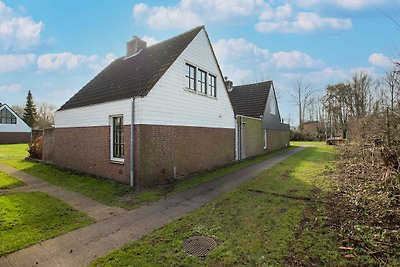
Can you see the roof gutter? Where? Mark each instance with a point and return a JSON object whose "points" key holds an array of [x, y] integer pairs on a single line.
{"points": [[132, 174]]}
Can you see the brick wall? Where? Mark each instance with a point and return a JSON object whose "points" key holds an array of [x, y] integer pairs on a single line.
{"points": [[48, 145], [158, 149], [277, 139], [15, 138], [87, 149], [161, 148]]}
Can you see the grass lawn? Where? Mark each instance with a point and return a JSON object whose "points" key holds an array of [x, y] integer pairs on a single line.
{"points": [[307, 143], [28, 218], [113, 193], [7, 181], [13, 150], [275, 219]]}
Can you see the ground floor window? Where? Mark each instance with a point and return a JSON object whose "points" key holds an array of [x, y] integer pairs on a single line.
{"points": [[117, 137], [265, 139]]}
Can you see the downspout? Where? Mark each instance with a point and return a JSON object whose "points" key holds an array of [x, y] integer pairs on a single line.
{"points": [[132, 182]]}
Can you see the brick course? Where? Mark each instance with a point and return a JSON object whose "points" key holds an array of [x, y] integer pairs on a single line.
{"points": [[14, 138], [158, 149], [87, 149], [189, 149]]}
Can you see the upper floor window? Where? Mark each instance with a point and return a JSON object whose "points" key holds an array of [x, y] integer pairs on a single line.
{"points": [[203, 81], [117, 139], [6, 117], [213, 85], [272, 107], [190, 77]]}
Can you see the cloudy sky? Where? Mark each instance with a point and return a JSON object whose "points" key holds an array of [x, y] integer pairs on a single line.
{"points": [[53, 48]]}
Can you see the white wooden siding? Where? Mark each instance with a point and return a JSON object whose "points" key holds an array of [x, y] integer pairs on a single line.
{"points": [[19, 127], [168, 103], [94, 115]]}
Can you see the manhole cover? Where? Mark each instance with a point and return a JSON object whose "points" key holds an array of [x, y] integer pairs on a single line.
{"points": [[199, 245]]}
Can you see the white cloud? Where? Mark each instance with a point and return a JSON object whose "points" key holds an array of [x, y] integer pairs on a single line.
{"points": [[150, 40], [238, 48], [189, 13], [18, 32], [294, 59], [15, 62], [10, 88], [54, 61], [100, 65], [346, 4], [303, 22], [380, 60]]}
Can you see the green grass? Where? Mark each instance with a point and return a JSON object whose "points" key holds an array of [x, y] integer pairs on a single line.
{"points": [[28, 218], [7, 181], [307, 143], [117, 194], [266, 221], [13, 150]]}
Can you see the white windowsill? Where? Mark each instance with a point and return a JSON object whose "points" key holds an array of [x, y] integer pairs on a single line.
{"points": [[117, 160], [199, 93]]}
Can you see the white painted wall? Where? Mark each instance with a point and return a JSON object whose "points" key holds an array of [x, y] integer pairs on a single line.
{"points": [[19, 127], [168, 103], [94, 115]]}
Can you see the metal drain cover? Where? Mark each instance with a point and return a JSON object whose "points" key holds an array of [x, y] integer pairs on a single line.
{"points": [[199, 245]]}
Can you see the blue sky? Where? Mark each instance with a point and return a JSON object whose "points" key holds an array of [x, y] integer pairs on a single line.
{"points": [[53, 48]]}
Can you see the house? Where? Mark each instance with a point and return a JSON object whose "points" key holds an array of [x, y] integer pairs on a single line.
{"points": [[158, 112], [259, 127], [310, 127], [13, 129]]}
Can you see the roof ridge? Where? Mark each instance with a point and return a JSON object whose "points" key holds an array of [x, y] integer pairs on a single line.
{"points": [[255, 83], [177, 36]]}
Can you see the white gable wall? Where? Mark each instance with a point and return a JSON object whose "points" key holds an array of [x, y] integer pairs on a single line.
{"points": [[94, 115], [19, 127], [169, 103]]}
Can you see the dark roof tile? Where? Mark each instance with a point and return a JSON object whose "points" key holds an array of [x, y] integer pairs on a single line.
{"points": [[250, 99], [132, 76]]}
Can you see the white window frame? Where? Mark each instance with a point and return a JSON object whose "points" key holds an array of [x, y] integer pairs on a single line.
{"points": [[112, 158], [265, 139], [272, 106]]}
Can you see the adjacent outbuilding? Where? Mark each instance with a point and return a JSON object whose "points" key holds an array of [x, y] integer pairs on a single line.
{"points": [[13, 129], [259, 127]]}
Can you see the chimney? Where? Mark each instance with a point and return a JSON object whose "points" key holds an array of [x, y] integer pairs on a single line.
{"points": [[228, 84], [134, 46]]}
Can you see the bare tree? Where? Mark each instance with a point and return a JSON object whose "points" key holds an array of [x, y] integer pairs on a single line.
{"points": [[360, 96], [19, 109], [302, 95], [392, 81], [46, 113]]}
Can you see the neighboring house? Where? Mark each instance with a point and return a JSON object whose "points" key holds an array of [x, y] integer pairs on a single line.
{"points": [[173, 93], [259, 127], [13, 129], [310, 127]]}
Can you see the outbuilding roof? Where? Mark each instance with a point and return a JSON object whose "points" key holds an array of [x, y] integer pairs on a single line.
{"points": [[250, 99], [132, 76]]}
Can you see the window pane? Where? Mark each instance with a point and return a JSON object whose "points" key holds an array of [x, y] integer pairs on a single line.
{"points": [[118, 137]]}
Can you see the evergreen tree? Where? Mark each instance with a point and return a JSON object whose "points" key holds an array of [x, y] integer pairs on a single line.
{"points": [[30, 114]]}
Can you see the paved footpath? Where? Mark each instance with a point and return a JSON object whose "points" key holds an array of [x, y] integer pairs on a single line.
{"points": [[81, 246]]}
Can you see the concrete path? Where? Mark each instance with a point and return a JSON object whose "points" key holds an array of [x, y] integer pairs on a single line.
{"points": [[81, 246], [92, 208]]}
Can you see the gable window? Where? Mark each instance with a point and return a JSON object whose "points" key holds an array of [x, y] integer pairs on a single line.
{"points": [[6, 117], [203, 81], [272, 106], [117, 142], [213, 85], [190, 77]]}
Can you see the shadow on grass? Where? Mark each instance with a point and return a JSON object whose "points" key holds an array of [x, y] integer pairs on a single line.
{"points": [[277, 218]]}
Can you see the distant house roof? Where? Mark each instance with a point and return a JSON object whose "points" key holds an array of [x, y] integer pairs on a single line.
{"points": [[132, 76], [250, 99]]}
